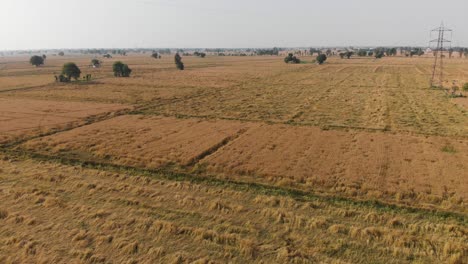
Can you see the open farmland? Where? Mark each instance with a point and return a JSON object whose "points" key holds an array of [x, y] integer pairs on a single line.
{"points": [[245, 159]]}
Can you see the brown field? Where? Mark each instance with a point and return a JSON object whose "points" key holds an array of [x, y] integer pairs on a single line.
{"points": [[235, 159]]}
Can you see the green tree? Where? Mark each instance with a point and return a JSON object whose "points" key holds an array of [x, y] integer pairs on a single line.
{"points": [[348, 54], [36, 60], [178, 62], [121, 70], [71, 70], [321, 58]]}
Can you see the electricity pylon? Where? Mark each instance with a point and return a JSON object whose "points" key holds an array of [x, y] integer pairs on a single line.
{"points": [[437, 79]]}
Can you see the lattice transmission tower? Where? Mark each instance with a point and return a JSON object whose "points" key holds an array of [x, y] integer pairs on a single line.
{"points": [[437, 79]]}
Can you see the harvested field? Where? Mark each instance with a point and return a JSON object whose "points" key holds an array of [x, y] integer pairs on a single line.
{"points": [[113, 217], [400, 168], [20, 118], [234, 159], [140, 141], [352, 163]]}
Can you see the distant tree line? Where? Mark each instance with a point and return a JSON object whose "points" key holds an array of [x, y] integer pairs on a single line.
{"points": [[273, 51]]}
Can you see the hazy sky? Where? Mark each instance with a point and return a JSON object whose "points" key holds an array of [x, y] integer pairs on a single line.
{"points": [[37, 24]]}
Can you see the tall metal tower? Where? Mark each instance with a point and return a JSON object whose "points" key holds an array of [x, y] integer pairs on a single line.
{"points": [[437, 79]]}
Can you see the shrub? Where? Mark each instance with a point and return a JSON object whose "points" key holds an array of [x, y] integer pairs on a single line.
{"points": [[292, 59], [36, 60], [321, 58], [71, 70], [156, 55], [121, 70], [61, 53]]}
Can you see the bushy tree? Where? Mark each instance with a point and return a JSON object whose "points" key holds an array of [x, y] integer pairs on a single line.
{"points": [[321, 58], [96, 63], [121, 70], [36, 60], [292, 59], [71, 70], [178, 62], [155, 55], [348, 54], [61, 53]]}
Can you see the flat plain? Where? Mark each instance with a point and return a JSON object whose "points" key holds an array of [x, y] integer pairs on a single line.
{"points": [[239, 159]]}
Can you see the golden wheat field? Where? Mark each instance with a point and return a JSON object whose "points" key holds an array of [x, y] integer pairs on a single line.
{"points": [[233, 160]]}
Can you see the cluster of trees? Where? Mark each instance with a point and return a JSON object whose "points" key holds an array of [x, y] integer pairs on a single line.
{"points": [[71, 71], [37, 60], [121, 70], [292, 59], [178, 62], [199, 54]]}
